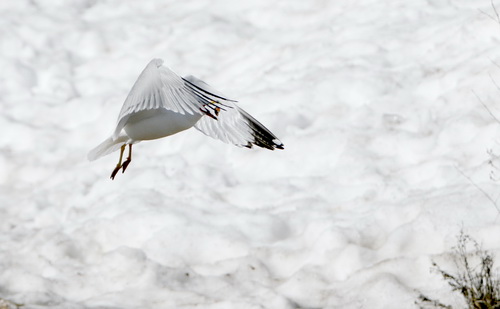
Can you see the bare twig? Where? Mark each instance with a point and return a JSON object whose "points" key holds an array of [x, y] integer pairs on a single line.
{"points": [[493, 80], [496, 12], [495, 63], [486, 107], [426, 301], [479, 188], [495, 18]]}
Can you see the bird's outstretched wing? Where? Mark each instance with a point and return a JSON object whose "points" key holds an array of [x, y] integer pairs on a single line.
{"points": [[158, 87], [232, 124]]}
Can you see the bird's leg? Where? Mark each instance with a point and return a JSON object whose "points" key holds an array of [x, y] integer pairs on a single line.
{"points": [[129, 158], [119, 165]]}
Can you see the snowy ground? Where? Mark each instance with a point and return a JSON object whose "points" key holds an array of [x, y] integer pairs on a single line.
{"points": [[374, 101]]}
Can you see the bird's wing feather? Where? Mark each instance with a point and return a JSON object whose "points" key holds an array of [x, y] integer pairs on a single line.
{"points": [[159, 87], [233, 125]]}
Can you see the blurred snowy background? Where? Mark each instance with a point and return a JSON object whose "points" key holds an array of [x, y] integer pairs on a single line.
{"points": [[386, 145]]}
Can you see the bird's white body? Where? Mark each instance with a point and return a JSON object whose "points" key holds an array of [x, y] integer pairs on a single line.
{"points": [[157, 123], [161, 103]]}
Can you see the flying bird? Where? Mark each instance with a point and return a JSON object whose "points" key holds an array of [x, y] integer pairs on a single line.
{"points": [[162, 103]]}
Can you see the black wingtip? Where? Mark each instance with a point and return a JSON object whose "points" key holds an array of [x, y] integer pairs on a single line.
{"points": [[264, 138]]}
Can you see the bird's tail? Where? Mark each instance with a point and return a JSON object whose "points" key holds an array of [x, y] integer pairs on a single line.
{"points": [[107, 147]]}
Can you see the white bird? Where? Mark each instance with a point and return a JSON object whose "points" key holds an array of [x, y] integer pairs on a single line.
{"points": [[161, 103]]}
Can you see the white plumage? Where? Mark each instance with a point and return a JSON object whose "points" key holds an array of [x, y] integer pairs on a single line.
{"points": [[161, 103]]}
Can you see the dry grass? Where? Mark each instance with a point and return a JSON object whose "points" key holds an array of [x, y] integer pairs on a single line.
{"points": [[474, 278], [5, 304]]}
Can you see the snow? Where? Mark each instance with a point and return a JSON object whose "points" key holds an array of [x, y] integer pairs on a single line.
{"points": [[386, 144]]}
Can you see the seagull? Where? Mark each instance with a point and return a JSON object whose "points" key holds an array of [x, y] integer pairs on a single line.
{"points": [[162, 103]]}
